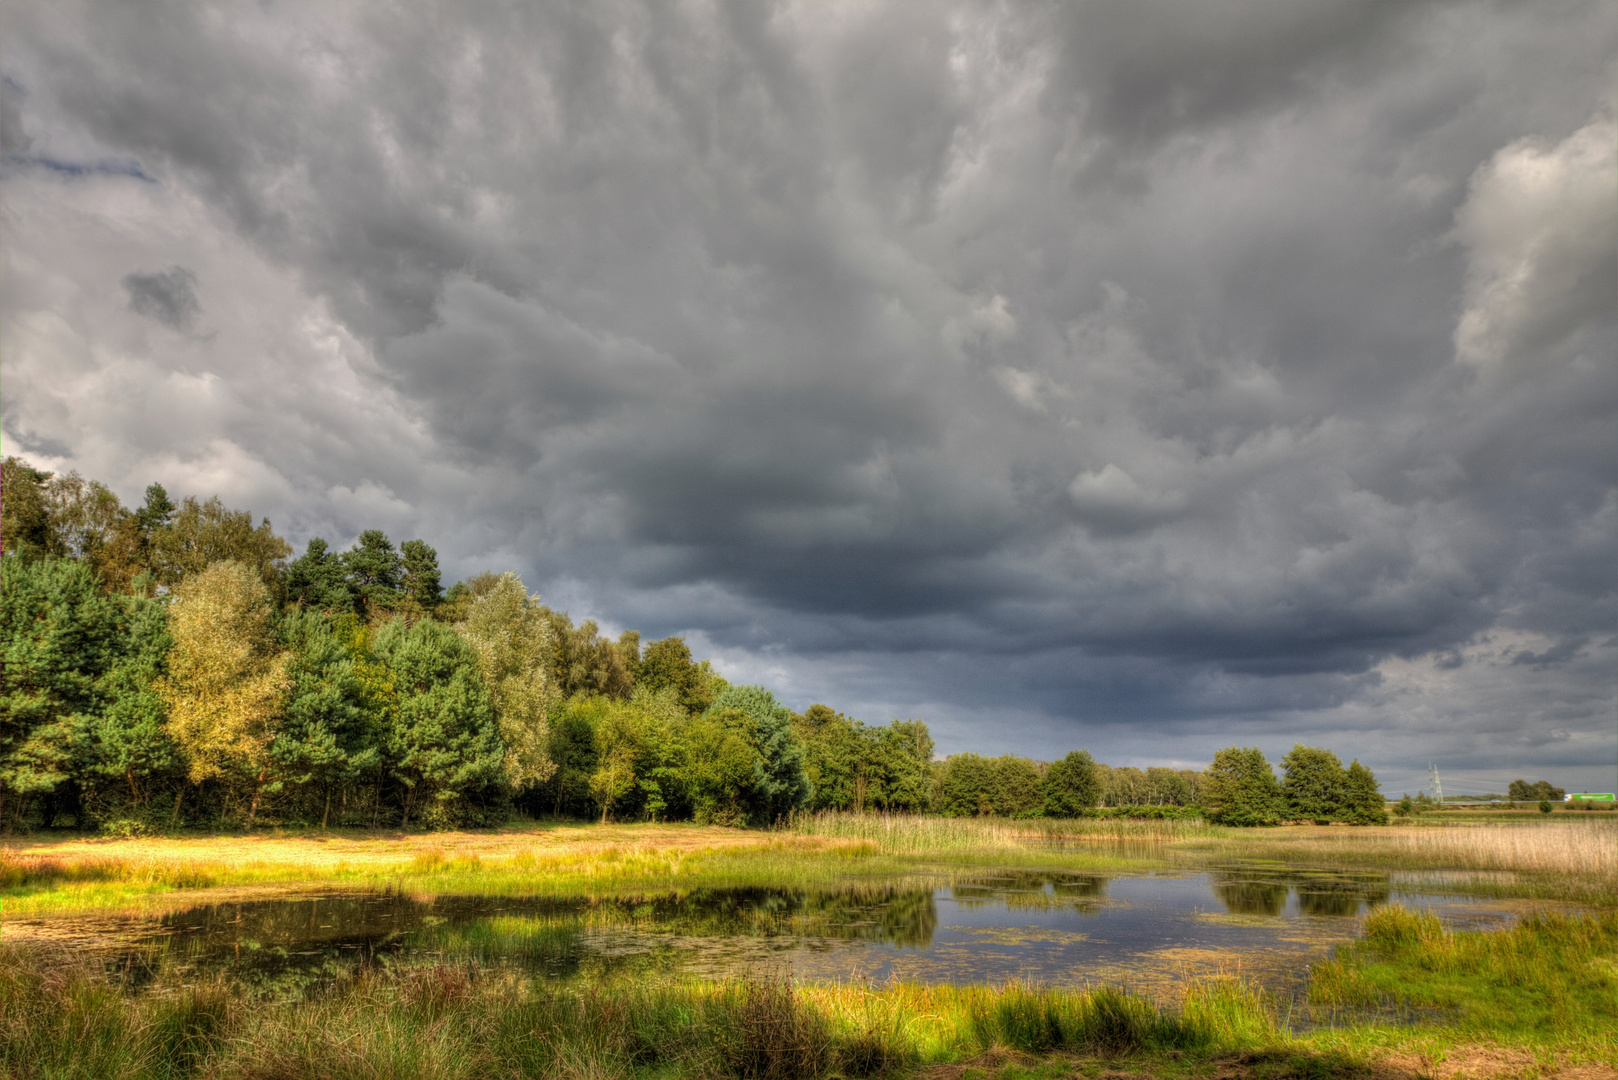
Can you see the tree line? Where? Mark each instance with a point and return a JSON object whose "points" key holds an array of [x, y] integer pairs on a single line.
{"points": [[174, 665]]}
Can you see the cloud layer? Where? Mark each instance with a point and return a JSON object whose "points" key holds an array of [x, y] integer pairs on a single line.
{"points": [[1145, 377]]}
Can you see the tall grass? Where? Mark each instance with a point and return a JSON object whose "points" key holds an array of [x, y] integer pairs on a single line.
{"points": [[912, 834], [1550, 977], [1572, 860], [61, 1019]]}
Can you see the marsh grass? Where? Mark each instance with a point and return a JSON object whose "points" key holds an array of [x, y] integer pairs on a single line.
{"points": [[36, 885], [1550, 979], [1575, 859], [910, 834], [61, 1018]]}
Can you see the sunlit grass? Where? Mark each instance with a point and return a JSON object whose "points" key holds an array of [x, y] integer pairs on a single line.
{"points": [[82, 880]]}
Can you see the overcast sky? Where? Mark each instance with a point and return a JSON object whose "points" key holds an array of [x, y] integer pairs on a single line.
{"points": [[1146, 377]]}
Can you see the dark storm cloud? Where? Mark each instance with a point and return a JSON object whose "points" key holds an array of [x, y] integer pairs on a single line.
{"points": [[169, 296], [1214, 371]]}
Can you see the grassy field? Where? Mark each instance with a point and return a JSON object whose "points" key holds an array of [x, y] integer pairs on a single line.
{"points": [[1409, 1000]]}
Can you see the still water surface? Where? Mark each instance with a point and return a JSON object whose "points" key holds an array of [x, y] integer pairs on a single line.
{"points": [[1146, 931]]}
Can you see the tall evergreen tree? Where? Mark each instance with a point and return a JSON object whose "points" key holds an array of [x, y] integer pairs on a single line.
{"points": [[445, 748], [318, 579], [1241, 788], [420, 578], [124, 748], [57, 638], [335, 721], [375, 570]]}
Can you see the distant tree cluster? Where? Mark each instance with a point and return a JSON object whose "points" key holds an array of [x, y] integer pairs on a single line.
{"points": [[1539, 791], [1240, 788], [173, 665]]}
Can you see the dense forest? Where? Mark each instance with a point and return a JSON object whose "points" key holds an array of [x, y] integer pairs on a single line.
{"points": [[175, 665]]}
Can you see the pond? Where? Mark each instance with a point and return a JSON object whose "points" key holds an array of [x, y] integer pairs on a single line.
{"points": [[1145, 931]]}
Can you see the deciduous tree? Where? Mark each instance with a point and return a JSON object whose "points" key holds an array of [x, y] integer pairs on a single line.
{"points": [[511, 638], [226, 679], [1314, 784], [1241, 788], [1071, 787]]}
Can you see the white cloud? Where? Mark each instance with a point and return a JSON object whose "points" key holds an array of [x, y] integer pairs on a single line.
{"points": [[1540, 227]]}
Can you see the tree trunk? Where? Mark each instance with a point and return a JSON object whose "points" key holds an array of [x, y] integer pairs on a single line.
{"points": [[327, 813], [252, 810], [174, 815]]}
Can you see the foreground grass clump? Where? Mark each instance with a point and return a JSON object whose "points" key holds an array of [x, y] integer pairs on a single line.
{"points": [[63, 1019], [1551, 980]]}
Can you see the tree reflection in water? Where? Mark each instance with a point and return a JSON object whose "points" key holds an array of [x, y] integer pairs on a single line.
{"points": [[1264, 891]]}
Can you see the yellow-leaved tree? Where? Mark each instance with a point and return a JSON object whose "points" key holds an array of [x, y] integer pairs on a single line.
{"points": [[511, 634], [227, 677]]}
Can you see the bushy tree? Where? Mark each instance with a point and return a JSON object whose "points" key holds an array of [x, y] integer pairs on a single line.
{"points": [[573, 749], [511, 637], [1241, 788], [963, 786], [780, 785], [89, 523], [226, 679], [834, 758], [1314, 784], [1071, 787], [667, 665], [1539, 791], [445, 748], [203, 533], [719, 764], [1364, 802], [900, 756], [25, 518], [585, 662]]}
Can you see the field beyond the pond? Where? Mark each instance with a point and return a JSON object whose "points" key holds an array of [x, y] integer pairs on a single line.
{"points": [[838, 946]]}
